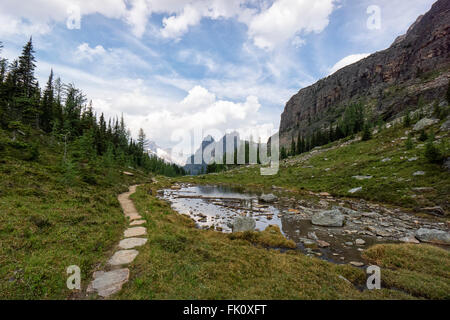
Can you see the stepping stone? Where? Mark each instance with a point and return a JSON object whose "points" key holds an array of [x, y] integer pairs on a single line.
{"points": [[137, 222], [133, 216], [132, 242], [123, 257], [108, 283], [135, 232]]}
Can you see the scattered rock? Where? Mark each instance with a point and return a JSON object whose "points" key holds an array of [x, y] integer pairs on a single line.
{"points": [[419, 173], [123, 257], [446, 126], [324, 194], [312, 235], [424, 189], [424, 123], [413, 159], [435, 210], [128, 173], [268, 198], [447, 164], [132, 243], [331, 218], [433, 236], [354, 190], [386, 160], [242, 224], [360, 242], [137, 222], [362, 177], [356, 264], [349, 243], [322, 244], [108, 283], [409, 239]]}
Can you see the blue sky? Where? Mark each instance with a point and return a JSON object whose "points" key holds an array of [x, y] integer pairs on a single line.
{"points": [[217, 64]]}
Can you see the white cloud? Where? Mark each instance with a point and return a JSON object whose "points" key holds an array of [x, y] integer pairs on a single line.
{"points": [[84, 51], [347, 61], [175, 26], [287, 18]]}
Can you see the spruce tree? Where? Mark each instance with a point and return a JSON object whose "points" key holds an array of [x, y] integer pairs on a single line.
{"points": [[26, 70], [47, 105], [293, 148]]}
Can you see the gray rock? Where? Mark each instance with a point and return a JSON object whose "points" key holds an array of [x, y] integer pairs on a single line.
{"points": [[242, 224], [433, 236], [419, 173], [131, 243], [135, 232], [362, 177], [360, 242], [122, 257], [424, 123], [354, 190], [447, 164], [331, 218], [409, 239], [108, 283], [386, 160], [268, 198], [446, 126]]}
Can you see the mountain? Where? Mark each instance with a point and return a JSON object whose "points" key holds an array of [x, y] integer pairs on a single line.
{"points": [[415, 68], [207, 151], [154, 150]]}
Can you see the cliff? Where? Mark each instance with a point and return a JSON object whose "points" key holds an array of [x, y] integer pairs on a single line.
{"points": [[416, 65]]}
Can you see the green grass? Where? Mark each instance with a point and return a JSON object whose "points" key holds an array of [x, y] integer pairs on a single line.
{"points": [[332, 171], [50, 220], [419, 270], [183, 262]]}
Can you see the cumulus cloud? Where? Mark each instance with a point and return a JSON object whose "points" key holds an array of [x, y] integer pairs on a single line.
{"points": [[287, 18], [347, 61]]}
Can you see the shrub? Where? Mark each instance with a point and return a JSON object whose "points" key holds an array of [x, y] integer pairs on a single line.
{"points": [[407, 120], [409, 143], [423, 136], [432, 153], [367, 133]]}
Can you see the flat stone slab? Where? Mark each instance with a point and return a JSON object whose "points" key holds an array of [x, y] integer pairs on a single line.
{"points": [[123, 257], [137, 222], [131, 243], [108, 283], [135, 232], [133, 216]]}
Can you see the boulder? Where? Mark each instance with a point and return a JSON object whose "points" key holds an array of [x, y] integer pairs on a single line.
{"points": [[354, 190], [268, 198], [446, 126], [424, 123], [242, 224], [331, 218], [433, 236], [362, 177]]}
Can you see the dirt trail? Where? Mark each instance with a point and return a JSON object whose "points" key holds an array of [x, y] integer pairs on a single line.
{"points": [[110, 281]]}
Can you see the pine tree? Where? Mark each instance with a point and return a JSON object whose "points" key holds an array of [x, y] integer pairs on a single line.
{"points": [[26, 70], [448, 93], [293, 148], [47, 105], [367, 133]]}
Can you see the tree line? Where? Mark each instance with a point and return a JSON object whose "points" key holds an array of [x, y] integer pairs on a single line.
{"points": [[62, 111], [351, 122]]}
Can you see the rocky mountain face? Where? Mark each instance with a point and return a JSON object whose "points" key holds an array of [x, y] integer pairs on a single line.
{"points": [[415, 67]]}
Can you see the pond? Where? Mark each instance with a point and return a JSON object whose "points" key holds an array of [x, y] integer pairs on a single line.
{"points": [[217, 206]]}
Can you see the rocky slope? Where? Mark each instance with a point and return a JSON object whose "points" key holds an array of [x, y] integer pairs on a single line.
{"points": [[416, 65]]}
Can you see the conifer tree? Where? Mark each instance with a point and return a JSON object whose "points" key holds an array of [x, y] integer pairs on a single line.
{"points": [[47, 105]]}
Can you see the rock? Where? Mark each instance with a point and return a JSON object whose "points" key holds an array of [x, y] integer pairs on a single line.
{"points": [[322, 244], [133, 216], [433, 236], [242, 224], [349, 243], [413, 159], [132, 243], [123, 257], [312, 235], [108, 283], [324, 194], [447, 164], [360, 242], [362, 177], [424, 189], [128, 173], [424, 123], [309, 244], [386, 160], [419, 173], [435, 210], [135, 232], [446, 126], [354, 190], [331, 218], [268, 198], [137, 222], [356, 264], [409, 239]]}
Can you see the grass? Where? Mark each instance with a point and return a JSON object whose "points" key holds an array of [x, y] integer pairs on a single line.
{"points": [[50, 220], [332, 171], [183, 262]]}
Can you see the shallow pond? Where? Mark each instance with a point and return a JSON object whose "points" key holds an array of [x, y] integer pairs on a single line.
{"points": [[217, 206]]}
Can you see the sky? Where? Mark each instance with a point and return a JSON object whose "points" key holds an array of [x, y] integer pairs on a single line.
{"points": [[219, 65]]}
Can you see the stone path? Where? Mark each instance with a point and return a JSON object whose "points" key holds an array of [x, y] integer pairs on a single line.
{"points": [[108, 282]]}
